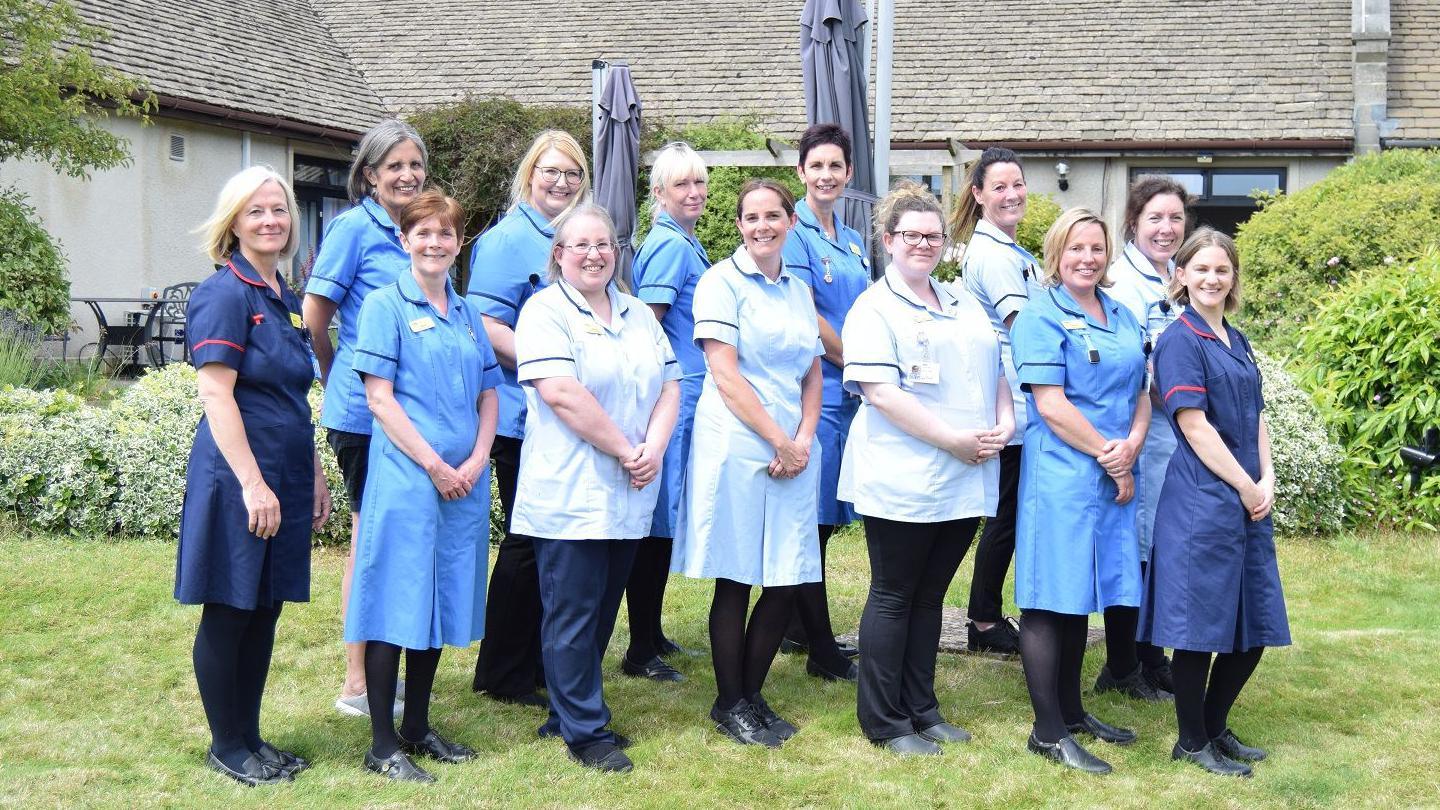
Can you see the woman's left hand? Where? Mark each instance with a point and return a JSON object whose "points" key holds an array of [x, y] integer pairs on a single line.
{"points": [[471, 468], [643, 466], [1125, 484], [1117, 456], [323, 504], [1267, 503]]}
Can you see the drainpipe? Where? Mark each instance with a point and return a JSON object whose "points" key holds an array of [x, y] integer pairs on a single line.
{"points": [[1370, 34], [244, 149]]}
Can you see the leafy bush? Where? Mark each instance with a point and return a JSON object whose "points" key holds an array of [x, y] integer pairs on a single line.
{"points": [[32, 267], [55, 473], [1308, 497], [1371, 356], [1381, 209], [151, 428], [1041, 211]]}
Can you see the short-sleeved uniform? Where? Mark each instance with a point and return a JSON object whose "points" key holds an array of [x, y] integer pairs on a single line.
{"points": [[837, 271], [419, 559], [569, 489], [1213, 584], [1002, 276], [949, 359], [666, 270], [1146, 296], [1075, 549], [236, 319], [737, 522], [507, 266], [360, 254]]}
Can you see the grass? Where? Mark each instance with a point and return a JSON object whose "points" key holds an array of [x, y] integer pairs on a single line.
{"points": [[98, 704]]}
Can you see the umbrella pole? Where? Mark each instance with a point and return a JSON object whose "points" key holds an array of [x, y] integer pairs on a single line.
{"points": [[599, 71], [885, 55]]}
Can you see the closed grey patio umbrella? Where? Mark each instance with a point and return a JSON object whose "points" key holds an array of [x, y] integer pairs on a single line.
{"points": [[617, 161]]}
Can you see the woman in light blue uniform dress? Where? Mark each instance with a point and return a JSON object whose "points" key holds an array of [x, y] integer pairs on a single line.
{"points": [[1080, 359], [602, 390], [420, 562], [1155, 221], [748, 514], [666, 270], [830, 258], [507, 266]]}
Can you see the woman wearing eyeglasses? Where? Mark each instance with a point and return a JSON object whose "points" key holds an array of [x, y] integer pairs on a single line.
{"points": [[601, 384], [508, 266]]}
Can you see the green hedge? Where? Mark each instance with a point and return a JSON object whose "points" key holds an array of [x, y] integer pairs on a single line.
{"points": [[33, 284], [1041, 211], [1308, 495]]}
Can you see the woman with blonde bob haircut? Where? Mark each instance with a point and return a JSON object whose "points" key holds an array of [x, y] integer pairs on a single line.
{"points": [[254, 486]]}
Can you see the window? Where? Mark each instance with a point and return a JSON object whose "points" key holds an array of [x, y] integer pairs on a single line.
{"points": [[1220, 186], [321, 196]]}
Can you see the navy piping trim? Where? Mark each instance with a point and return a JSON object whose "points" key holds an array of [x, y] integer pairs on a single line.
{"points": [[1055, 365], [377, 354], [665, 286], [712, 320], [882, 365], [1011, 295], [543, 359], [496, 299], [345, 287]]}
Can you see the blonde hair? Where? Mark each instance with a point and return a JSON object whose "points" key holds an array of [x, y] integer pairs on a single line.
{"points": [[906, 196], [562, 142], [1059, 234], [675, 161], [562, 227], [217, 238], [1198, 241]]}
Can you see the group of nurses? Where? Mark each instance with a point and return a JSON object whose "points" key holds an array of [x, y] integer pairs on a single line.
{"points": [[507, 267], [601, 387], [830, 258], [921, 464], [429, 375], [1080, 359]]}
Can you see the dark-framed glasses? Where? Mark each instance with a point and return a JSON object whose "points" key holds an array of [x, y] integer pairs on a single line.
{"points": [[552, 175], [914, 238]]}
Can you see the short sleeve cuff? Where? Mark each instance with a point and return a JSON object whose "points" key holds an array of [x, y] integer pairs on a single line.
{"points": [[723, 331], [857, 372], [1010, 304], [326, 288], [1041, 374], [672, 370], [819, 347], [491, 377], [1180, 397], [542, 367], [495, 306], [376, 364], [217, 350], [657, 294]]}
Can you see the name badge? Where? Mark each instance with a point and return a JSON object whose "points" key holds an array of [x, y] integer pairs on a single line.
{"points": [[923, 317], [854, 248], [421, 324], [296, 322], [591, 328], [1073, 324], [927, 373]]}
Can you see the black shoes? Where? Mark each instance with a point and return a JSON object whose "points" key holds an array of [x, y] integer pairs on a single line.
{"points": [[253, 773], [847, 649], [533, 700], [284, 761], [669, 647], [1069, 753], [789, 646], [603, 756], [398, 767], [1160, 676], [655, 669], [1103, 732], [943, 732], [1133, 685], [1230, 746], [779, 726], [438, 748], [741, 724], [850, 672], [1211, 760], [911, 745], [1002, 639]]}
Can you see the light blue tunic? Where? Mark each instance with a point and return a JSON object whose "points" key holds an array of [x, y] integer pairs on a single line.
{"points": [[507, 266], [1075, 549], [420, 560], [1143, 293], [1002, 276], [359, 254], [737, 522], [837, 271], [666, 271]]}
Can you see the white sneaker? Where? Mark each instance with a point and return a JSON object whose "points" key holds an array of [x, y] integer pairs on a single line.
{"points": [[359, 705]]}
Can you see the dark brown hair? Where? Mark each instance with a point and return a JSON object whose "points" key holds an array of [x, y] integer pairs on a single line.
{"points": [[1145, 189], [967, 213], [822, 134], [1203, 238], [787, 200]]}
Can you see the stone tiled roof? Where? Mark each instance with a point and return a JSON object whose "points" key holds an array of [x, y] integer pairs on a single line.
{"points": [[1414, 83], [1004, 70], [271, 57]]}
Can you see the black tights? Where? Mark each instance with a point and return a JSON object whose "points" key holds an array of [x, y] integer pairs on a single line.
{"points": [[645, 597], [382, 671], [742, 654], [810, 621], [1203, 710], [1122, 652], [232, 659], [1052, 649]]}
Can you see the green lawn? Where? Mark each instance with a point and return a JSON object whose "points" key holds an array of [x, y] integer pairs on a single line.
{"points": [[98, 705]]}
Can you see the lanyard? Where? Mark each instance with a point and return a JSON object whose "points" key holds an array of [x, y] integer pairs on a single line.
{"points": [[1091, 353]]}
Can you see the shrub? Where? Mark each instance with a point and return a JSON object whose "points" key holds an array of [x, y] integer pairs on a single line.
{"points": [[1308, 497], [55, 472], [1371, 357], [151, 427], [1382, 208], [32, 267], [1041, 211]]}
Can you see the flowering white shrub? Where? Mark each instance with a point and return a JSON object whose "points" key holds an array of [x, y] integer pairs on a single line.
{"points": [[1309, 498], [54, 474], [151, 427]]}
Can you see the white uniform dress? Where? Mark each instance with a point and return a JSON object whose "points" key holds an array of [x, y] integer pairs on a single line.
{"points": [[737, 522], [1002, 276], [949, 359]]}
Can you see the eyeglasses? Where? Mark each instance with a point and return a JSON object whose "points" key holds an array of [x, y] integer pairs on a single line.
{"points": [[914, 238], [552, 175], [584, 248]]}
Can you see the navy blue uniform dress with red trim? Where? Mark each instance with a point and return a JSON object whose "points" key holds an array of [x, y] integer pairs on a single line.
{"points": [[1213, 584], [235, 319]]}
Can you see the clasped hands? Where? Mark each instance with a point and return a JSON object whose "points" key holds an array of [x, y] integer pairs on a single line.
{"points": [[976, 446], [454, 483], [791, 458], [1117, 458]]}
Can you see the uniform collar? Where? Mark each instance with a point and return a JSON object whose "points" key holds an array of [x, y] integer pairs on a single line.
{"points": [[1067, 304], [382, 218], [985, 227], [618, 305], [747, 265], [897, 285], [1142, 265], [807, 218], [1196, 323], [664, 220], [241, 268], [536, 219], [410, 291]]}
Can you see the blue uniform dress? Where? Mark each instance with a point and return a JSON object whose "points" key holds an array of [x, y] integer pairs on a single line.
{"points": [[1213, 584], [235, 319], [1147, 297], [1075, 549], [666, 271], [360, 254], [836, 271], [420, 560], [736, 522]]}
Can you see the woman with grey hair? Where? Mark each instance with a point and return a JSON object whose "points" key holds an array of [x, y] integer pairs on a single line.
{"points": [[360, 253]]}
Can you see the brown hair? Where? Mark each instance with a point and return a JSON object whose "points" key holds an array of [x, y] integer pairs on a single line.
{"points": [[1059, 234], [1145, 189], [433, 203], [968, 213], [904, 197], [787, 200], [1203, 238]]}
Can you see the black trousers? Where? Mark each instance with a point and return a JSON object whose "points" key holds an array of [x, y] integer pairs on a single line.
{"points": [[509, 664], [911, 565], [997, 544]]}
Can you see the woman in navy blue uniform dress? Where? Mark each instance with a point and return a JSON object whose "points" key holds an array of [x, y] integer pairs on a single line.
{"points": [[1213, 586], [254, 487]]}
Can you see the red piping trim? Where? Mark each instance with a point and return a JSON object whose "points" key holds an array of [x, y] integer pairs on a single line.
{"points": [[218, 341], [241, 276], [1186, 321], [1199, 389]]}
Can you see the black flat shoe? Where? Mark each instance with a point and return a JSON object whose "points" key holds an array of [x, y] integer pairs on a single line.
{"points": [[782, 728], [851, 672], [1211, 760], [1161, 676], [532, 699], [741, 724], [253, 773], [1069, 753], [285, 761], [1133, 685], [789, 646], [911, 745], [1229, 745], [603, 756], [1002, 639], [1101, 731], [669, 647], [438, 748], [621, 741], [655, 669], [398, 767], [943, 732], [847, 649]]}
